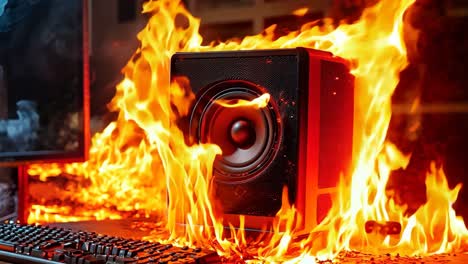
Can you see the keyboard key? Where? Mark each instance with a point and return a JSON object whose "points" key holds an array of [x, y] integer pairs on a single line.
{"points": [[124, 260]]}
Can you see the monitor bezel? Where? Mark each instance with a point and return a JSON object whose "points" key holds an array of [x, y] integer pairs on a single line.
{"points": [[80, 155]]}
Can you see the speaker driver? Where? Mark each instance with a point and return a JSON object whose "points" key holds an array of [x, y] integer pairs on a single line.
{"points": [[248, 136]]}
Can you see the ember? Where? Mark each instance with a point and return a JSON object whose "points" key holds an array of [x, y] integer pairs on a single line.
{"points": [[141, 157]]}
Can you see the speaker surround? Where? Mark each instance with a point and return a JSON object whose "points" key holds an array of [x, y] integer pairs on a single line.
{"points": [[302, 139]]}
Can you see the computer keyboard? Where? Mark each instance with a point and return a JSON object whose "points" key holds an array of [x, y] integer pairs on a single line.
{"points": [[44, 244]]}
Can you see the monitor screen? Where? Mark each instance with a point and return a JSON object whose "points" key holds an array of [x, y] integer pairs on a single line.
{"points": [[44, 107]]}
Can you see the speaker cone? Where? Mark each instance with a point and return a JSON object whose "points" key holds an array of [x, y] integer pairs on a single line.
{"points": [[249, 137]]}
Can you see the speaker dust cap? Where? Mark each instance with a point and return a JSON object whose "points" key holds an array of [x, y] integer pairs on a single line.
{"points": [[248, 136]]}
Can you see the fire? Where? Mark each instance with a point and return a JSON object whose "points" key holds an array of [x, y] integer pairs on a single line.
{"points": [[259, 102], [141, 156], [301, 11]]}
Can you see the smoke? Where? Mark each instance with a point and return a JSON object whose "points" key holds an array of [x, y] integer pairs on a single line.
{"points": [[20, 134], [2, 6], [7, 201]]}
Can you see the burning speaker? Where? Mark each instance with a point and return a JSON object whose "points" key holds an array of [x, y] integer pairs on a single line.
{"points": [[301, 139]]}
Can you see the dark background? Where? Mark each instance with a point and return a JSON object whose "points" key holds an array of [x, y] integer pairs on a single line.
{"points": [[41, 60], [436, 75]]}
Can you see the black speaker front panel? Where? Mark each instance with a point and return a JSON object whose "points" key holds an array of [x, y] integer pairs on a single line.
{"points": [[278, 73]]}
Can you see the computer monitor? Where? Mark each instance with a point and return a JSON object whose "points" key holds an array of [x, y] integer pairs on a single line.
{"points": [[44, 87]]}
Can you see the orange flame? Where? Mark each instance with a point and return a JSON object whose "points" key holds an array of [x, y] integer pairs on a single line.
{"points": [[142, 156], [301, 11], [259, 102]]}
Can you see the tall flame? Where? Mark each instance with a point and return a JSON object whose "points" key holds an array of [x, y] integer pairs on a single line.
{"points": [[142, 154]]}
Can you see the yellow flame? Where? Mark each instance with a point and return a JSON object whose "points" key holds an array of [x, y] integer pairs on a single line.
{"points": [[259, 102], [301, 11], [142, 156]]}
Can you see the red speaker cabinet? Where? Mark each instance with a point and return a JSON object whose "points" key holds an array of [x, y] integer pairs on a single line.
{"points": [[302, 139]]}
